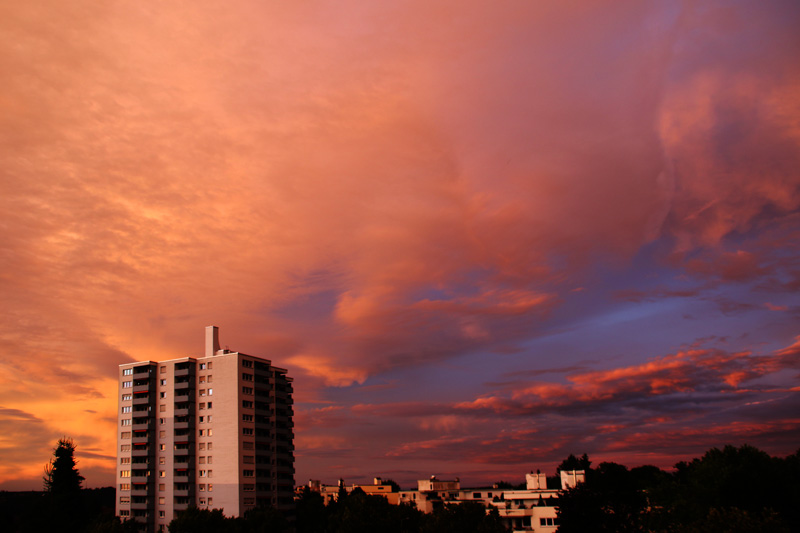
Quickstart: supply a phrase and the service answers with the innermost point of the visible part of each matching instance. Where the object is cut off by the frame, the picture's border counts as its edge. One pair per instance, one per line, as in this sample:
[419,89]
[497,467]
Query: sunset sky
[480,235]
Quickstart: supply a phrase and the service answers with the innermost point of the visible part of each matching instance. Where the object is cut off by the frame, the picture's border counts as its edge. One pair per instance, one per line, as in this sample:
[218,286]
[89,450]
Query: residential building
[213,431]
[529,510]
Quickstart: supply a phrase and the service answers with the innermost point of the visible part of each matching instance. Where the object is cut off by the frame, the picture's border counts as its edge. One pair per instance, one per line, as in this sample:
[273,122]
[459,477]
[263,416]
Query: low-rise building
[532,509]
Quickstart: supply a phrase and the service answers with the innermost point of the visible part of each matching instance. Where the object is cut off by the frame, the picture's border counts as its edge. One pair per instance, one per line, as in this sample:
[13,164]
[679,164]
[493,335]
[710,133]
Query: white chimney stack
[212,340]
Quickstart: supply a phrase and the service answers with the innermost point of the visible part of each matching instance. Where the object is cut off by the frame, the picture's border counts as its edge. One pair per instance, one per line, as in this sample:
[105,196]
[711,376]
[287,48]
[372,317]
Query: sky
[480,235]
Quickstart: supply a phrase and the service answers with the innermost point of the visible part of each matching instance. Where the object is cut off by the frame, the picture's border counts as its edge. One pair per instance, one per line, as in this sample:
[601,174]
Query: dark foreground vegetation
[733,490]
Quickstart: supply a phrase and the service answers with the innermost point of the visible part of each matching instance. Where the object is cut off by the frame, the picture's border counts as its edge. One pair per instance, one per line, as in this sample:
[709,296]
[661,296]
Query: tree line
[732,490]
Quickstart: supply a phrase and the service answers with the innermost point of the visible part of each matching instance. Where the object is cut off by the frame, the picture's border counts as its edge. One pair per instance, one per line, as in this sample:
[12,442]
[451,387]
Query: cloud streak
[456,200]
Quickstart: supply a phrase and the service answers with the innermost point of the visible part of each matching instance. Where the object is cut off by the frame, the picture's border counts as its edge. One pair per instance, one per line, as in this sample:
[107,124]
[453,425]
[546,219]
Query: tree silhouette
[61,474]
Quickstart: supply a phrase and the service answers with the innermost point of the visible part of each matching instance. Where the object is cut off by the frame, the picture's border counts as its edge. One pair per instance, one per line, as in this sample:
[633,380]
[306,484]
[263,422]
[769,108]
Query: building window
[126,409]
[202,432]
[249,488]
[210,378]
[247,377]
[247,445]
[247,418]
[162,447]
[248,459]
[162,408]
[210,392]
[125,435]
[162,460]
[210,405]
[202,366]
[202,460]
[124,512]
[210,487]
[249,501]
[162,395]
[247,390]
[210,472]
[210,365]
[202,473]
[202,406]
[162,421]
[210,432]
[202,501]
[124,486]
[163,370]
[247,363]
[162,434]
[208,418]
[162,473]
[162,500]
[127,397]
[126,422]
[163,382]
[547,521]
[162,514]
[202,379]
[127,384]
[127,372]
[124,473]
[201,419]
[125,448]
[210,445]
[202,392]
[162,487]
[249,473]
[202,445]
[209,460]
[247,431]
[210,502]
[124,499]
[124,460]
[247,404]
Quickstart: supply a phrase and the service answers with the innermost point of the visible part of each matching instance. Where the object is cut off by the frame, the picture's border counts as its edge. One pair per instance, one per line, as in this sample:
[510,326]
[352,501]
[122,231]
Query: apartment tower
[213,432]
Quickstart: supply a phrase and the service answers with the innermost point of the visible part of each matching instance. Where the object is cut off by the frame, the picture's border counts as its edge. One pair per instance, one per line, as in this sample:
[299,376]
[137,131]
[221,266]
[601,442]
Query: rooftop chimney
[212,340]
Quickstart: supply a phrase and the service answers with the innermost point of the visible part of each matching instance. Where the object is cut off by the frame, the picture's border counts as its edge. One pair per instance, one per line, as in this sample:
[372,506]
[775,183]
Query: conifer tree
[61,474]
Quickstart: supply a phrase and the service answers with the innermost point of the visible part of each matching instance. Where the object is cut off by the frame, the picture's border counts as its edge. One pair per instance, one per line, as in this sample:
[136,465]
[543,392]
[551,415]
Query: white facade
[213,432]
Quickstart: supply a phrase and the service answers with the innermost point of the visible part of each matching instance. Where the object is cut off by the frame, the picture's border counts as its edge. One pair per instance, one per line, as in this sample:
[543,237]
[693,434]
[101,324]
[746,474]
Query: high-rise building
[213,432]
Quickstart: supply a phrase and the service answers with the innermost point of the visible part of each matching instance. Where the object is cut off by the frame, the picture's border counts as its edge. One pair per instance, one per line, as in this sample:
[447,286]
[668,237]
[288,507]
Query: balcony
[140,451]
[141,424]
[141,398]
[140,489]
[143,369]
[184,369]
[184,409]
[183,475]
[183,493]
[140,505]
